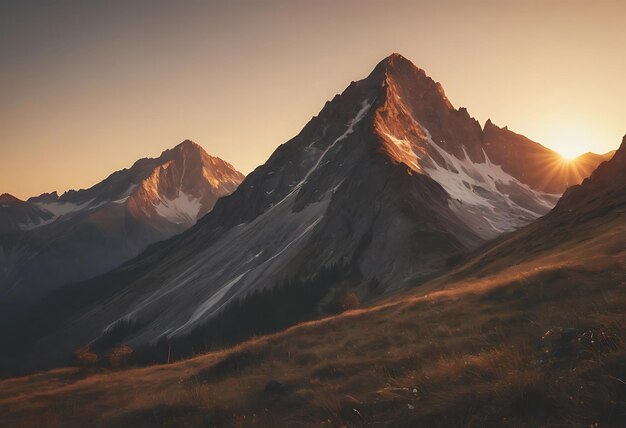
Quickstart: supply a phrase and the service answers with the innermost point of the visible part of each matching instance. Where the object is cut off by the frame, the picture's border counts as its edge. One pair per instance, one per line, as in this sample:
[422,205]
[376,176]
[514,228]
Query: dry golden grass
[464,353]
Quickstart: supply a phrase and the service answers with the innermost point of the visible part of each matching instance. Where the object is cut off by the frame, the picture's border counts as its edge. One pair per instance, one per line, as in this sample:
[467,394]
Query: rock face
[383,186]
[50,240]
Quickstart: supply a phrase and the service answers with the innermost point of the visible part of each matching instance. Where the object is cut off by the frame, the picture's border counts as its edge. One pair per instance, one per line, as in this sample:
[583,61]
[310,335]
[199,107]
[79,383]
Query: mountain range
[387,187]
[51,240]
[526,330]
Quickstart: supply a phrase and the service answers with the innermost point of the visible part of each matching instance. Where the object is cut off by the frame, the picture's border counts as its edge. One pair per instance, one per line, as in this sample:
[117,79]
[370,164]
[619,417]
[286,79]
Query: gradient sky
[88,87]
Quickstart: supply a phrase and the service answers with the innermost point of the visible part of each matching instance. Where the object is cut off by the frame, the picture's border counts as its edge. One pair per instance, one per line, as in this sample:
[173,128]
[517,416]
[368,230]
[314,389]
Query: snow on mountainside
[162,181]
[96,229]
[382,187]
[486,192]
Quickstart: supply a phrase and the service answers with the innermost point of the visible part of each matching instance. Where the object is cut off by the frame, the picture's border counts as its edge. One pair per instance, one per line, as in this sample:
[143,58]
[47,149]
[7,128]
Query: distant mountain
[15,214]
[50,240]
[375,193]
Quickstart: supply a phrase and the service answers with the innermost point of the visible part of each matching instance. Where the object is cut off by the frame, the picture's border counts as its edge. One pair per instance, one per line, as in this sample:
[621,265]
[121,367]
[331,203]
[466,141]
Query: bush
[349,301]
[85,357]
[120,356]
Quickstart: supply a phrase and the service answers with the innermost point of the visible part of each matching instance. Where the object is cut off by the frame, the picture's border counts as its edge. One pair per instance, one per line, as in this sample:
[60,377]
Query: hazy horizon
[90,88]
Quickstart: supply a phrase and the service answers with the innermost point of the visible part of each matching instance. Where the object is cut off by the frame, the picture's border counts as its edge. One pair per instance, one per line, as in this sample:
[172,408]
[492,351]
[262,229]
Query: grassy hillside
[539,343]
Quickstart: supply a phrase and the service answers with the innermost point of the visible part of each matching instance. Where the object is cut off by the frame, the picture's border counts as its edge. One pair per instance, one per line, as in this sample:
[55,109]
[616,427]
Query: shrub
[349,301]
[120,356]
[85,357]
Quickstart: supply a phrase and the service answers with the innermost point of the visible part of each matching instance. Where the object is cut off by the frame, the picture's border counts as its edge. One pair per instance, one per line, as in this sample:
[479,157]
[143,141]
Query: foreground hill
[530,331]
[375,193]
[49,240]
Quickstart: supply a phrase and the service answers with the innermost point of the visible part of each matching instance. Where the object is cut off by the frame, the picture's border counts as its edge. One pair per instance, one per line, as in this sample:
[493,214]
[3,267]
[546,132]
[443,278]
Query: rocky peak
[187,149]
[187,146]
[7,199]
[492,127]
[182,185]
[396,64]
[416,109]
[401,75]
[45,197]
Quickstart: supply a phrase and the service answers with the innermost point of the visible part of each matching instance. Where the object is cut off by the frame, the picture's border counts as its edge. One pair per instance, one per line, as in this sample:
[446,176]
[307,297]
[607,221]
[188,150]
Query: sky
[88,87]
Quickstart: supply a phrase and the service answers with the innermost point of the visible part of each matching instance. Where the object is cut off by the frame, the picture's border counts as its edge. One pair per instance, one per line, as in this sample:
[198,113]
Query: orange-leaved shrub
[349,301]
[120,356]
[85,357]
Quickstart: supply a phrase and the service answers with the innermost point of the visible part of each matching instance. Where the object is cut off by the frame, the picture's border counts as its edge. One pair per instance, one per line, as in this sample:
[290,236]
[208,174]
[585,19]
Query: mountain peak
[45,197]
[396,65]
[185,149]
[189,145]
[490,126]
[396,60]
[7,198]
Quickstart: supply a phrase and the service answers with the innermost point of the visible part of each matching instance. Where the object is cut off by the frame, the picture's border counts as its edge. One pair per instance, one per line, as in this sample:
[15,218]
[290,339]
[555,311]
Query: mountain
[15,213]
[49,240]
[528,331]
[379,191]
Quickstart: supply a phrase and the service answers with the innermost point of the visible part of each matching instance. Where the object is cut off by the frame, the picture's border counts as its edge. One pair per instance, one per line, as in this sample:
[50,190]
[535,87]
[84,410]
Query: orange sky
[89,87]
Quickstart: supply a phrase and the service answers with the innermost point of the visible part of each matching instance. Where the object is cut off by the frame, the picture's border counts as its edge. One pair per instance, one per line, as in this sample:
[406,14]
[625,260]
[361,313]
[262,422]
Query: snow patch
[211,302]
[365,106]
[59,209]
[124,196]
[182,209]
[476,185]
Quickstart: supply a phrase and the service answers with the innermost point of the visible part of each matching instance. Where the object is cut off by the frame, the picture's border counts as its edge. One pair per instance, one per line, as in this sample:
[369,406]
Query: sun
[569,155]
[569,142]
